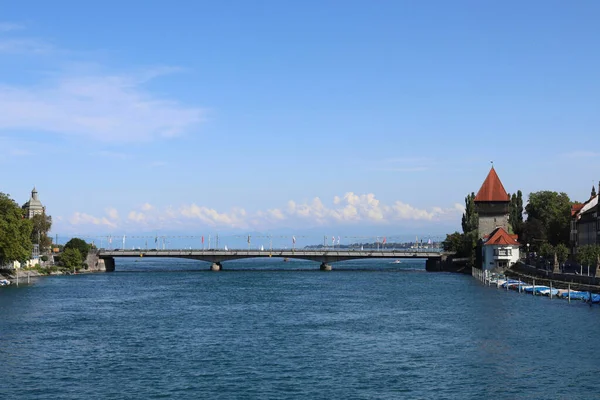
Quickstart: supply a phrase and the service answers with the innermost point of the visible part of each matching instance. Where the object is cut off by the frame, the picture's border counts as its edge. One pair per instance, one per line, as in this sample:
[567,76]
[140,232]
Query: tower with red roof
[491,203]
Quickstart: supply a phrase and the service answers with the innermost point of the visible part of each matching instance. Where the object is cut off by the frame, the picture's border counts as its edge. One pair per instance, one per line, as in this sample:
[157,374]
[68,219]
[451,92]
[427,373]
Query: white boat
[397,262]
[4,282]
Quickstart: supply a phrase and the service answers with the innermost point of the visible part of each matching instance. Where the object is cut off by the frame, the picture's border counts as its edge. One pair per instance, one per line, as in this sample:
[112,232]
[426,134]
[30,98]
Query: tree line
[546,231]
[19,234]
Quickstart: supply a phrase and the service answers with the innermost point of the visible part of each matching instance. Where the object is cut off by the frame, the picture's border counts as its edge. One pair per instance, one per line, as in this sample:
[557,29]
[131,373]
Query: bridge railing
[325,249]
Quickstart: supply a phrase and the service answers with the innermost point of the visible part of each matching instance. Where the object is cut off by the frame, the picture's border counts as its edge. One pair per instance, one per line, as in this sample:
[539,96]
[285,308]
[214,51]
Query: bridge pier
[216,266]
[109,264]
[325,267]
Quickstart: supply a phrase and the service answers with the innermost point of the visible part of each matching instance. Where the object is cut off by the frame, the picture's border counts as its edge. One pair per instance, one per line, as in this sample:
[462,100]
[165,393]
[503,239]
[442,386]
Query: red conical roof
[492,189]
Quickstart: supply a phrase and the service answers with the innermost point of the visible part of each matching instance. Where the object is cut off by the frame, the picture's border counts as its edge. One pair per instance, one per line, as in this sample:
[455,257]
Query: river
[265,329]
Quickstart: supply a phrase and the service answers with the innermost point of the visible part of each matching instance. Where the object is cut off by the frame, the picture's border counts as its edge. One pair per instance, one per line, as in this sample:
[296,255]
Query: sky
[279,117]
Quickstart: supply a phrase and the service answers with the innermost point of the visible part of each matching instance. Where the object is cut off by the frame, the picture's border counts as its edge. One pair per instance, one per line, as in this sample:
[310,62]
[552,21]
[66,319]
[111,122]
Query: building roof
[575,208]
[34,202]
[588,206]
[492,189]
[499,237]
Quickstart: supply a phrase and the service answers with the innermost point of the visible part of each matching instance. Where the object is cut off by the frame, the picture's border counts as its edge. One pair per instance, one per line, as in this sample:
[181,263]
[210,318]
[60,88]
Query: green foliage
[78,244]
[39,269]
[533,233]
[588,255]
[547,251]
[41,226]
[15,232]
[464,244]
[71,258]
[562,252]
[553,212]
[44,258]
[515,216]
[52,268]
[470,219]
[453,242]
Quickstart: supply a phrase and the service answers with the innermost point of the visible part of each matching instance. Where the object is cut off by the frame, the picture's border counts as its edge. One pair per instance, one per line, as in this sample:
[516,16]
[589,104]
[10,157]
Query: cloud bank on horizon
[350,209]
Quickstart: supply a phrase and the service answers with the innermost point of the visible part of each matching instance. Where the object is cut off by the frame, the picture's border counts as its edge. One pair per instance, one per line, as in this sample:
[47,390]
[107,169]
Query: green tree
[78,244]
[41,226]
[533,233]
[547,251]
[562,252]
[71,258]
[453,242]
[15,232]
[553,211]
[464,244]
[515,216]
[588,255]
[470,219]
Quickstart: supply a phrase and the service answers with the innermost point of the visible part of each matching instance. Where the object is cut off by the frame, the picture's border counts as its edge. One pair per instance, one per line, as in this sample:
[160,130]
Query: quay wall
[448,264]
[521,270]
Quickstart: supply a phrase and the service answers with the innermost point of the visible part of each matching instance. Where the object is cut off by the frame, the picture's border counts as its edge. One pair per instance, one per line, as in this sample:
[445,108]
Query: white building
[500,250]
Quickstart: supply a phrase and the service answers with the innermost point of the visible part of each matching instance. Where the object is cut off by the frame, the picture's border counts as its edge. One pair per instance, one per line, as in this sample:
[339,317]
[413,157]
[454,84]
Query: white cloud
[9,26]
[112,213]
[86,219]
[20,152]
[349,209]
[234,219]
[102,108]
[24,46]
[136,216]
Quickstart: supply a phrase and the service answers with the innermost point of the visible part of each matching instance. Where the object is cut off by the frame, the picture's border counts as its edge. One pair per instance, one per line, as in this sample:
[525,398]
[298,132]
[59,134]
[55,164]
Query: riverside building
[497,248]
[585,223]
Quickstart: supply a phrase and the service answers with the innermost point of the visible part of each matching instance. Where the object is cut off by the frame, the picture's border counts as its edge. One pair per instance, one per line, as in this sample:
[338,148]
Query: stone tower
[491,203]
[34,205]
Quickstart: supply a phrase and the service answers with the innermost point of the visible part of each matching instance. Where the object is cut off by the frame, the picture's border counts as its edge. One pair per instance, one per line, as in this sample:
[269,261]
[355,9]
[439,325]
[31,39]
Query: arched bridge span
[325,257]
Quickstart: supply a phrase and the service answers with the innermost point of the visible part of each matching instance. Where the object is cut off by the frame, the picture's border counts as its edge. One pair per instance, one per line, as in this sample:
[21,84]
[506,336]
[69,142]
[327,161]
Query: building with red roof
[500,249]
[491,203]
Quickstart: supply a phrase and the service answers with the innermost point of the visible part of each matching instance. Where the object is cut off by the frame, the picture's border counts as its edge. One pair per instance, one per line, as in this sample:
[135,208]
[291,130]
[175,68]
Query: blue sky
[273,116]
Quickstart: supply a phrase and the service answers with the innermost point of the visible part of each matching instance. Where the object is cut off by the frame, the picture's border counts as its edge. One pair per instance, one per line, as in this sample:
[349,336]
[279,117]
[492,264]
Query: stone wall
[95,264]
[491,216]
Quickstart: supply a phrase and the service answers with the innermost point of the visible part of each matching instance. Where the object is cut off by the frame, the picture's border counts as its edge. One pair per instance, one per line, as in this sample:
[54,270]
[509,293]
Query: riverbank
[526,279]
[559,280]
[23,275]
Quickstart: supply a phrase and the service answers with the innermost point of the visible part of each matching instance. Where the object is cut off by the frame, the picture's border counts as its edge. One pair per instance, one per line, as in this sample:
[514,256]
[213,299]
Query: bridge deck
[314,255]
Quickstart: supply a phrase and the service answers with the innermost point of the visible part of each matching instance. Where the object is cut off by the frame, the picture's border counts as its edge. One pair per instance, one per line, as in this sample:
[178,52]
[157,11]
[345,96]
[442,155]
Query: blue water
[265,329]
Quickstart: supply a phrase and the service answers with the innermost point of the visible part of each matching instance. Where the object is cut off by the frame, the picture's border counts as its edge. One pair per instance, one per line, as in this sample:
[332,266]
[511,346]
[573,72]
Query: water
[272,330]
